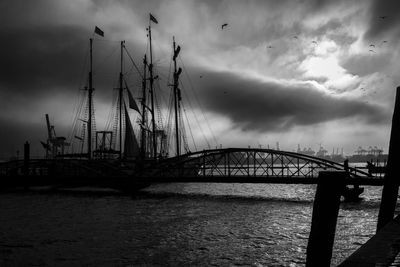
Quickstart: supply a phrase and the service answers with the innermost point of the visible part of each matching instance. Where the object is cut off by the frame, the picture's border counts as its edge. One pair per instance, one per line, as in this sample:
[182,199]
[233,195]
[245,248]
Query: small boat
[352,194]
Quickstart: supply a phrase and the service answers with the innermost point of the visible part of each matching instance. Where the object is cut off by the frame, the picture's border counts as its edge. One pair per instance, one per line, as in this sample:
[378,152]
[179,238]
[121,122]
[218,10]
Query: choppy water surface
[175,224]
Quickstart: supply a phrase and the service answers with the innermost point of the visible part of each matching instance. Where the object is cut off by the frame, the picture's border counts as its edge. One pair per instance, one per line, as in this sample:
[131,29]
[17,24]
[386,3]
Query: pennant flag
[132,102]
[98,31]
[176,52]
[152,18]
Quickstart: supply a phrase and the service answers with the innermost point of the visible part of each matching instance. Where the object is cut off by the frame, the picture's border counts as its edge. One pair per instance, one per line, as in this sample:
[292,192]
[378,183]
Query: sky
[295,72]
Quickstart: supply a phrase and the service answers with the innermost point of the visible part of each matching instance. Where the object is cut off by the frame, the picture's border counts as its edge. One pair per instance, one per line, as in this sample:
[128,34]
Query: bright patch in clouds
[322,67]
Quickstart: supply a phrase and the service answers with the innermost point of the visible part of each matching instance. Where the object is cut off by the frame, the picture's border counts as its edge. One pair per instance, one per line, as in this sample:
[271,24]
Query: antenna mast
[90,96]
[144,120]
[176,97]
[152,98]
[121,77]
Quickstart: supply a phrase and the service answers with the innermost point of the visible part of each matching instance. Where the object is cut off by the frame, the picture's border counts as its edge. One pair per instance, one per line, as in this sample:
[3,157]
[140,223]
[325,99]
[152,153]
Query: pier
[231,165]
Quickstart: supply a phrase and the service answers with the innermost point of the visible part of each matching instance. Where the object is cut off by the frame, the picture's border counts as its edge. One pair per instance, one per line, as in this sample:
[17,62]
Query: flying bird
[224,25]
[371,51]
[201,76]
[384,41]
[314,42]
[372,45]
[383,17]
[295,37]
[270,46]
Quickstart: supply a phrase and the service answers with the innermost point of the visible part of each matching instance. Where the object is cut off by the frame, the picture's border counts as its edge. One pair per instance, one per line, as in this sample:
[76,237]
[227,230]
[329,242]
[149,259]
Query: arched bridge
[231,165]
[247,165]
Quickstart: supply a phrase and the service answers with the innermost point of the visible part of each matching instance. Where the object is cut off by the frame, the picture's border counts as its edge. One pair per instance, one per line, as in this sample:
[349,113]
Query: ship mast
[121,77]
[90,96]
[176,97]
[144,120]
[152,97]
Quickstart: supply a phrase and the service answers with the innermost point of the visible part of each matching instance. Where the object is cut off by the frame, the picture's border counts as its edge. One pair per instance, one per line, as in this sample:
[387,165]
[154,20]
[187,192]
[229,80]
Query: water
[176,225]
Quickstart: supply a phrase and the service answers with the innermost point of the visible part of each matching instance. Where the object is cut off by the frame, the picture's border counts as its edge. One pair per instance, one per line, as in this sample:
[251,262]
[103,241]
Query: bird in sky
[384,41]
[372,45]
[295,37]
[314,42]
[270,46]
[224,25]
[383,17]
[371,51]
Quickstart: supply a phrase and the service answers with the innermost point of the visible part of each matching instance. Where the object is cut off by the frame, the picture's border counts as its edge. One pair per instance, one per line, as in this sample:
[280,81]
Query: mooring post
[26,157]
[324,217]
[391,182]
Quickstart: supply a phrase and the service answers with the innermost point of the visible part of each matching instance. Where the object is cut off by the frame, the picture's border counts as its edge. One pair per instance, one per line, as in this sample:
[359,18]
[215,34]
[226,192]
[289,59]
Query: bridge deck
[257,180]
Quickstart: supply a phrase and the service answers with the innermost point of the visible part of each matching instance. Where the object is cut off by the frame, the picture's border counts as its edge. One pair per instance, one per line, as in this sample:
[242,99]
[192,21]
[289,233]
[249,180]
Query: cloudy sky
[293,72]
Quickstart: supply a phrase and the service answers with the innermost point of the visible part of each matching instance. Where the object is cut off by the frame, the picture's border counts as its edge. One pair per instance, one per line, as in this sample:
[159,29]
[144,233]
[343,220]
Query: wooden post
[324,217]
[391,183]
[26,158]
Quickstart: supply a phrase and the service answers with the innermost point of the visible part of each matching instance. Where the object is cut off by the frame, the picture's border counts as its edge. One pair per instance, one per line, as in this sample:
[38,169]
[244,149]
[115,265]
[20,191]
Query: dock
[383,249]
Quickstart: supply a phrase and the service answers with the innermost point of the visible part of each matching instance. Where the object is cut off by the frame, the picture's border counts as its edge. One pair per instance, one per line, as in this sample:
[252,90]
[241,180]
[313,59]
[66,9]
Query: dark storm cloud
[384,28]
[41,52]
[271,106]
[40,58]
[45,60]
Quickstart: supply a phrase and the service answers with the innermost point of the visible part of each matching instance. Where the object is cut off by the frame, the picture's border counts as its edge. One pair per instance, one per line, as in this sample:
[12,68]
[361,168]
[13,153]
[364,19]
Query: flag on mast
[152,18]
[98,31]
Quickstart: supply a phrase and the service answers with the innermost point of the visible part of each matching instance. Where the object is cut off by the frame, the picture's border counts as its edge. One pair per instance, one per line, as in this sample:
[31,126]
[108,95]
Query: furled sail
[132,102]
[131,144]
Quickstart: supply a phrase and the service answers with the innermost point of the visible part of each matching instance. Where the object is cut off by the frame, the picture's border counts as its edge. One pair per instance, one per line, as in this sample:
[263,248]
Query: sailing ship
[119,143]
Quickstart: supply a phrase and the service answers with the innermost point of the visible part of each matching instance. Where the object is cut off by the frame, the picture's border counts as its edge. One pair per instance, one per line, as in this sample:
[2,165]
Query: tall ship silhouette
[123,147]
[123,141]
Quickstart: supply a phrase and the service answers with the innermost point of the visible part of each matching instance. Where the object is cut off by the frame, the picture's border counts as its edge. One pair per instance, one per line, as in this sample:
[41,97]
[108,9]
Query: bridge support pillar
[391,182]
[325,211]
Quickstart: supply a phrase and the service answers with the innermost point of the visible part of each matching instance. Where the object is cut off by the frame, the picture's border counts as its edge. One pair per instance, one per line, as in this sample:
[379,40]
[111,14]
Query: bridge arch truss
[247,162]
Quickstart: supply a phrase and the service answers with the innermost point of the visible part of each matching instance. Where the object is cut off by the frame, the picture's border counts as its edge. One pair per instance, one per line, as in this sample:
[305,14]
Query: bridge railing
[58,168]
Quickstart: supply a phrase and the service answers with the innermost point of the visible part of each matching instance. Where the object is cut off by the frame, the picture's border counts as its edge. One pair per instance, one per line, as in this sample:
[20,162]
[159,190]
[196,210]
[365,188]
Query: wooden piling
[26,157]
[391,182]
[324,217]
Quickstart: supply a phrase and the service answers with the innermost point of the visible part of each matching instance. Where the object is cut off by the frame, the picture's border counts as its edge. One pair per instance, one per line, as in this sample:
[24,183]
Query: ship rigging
[146,140]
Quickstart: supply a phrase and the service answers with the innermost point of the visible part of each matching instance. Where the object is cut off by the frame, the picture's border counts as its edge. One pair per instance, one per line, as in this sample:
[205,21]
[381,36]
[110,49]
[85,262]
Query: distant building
[305,151]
